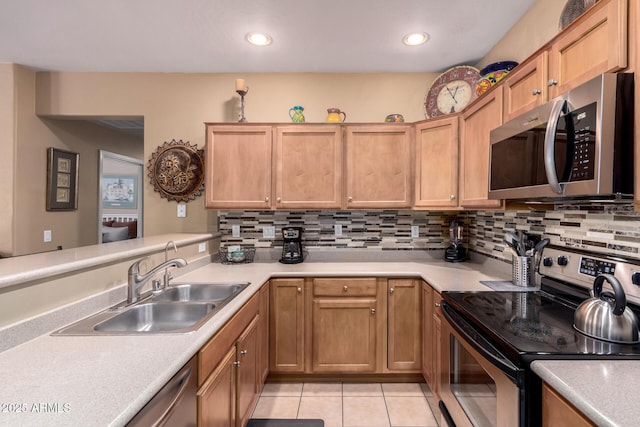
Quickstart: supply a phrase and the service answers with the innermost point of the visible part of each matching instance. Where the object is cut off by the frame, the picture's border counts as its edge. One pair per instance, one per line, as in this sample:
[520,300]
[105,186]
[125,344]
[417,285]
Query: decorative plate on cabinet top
[572,10]
[451,91]
[176,171]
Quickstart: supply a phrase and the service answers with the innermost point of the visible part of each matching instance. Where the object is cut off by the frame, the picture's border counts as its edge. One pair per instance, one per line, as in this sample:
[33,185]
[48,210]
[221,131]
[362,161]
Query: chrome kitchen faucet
[136,280]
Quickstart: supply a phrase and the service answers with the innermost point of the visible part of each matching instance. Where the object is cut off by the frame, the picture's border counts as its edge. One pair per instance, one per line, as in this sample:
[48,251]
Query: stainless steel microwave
[578,145]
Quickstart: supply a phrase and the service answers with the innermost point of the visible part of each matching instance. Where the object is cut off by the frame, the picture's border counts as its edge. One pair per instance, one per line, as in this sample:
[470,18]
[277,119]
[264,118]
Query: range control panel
[581,268]
[594,267]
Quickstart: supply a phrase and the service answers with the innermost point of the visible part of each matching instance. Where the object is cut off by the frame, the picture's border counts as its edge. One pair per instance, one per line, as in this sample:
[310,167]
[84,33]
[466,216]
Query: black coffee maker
[455,252]
[292,245]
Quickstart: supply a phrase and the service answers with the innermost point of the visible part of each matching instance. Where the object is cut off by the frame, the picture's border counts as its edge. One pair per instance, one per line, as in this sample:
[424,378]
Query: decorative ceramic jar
[394,118]
[296,115]
[335,115]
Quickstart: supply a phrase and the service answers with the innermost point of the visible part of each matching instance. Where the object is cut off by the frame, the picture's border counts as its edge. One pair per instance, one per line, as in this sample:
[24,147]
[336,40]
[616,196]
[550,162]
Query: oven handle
[483,346]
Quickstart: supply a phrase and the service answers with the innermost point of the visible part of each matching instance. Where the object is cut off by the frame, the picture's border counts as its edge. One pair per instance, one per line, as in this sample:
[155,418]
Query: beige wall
[175,106]
[534,29]
[32,138]
[7,138]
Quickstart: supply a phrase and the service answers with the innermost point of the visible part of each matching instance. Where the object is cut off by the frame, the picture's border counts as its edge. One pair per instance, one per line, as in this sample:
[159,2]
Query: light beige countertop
[606,391]
[106,380]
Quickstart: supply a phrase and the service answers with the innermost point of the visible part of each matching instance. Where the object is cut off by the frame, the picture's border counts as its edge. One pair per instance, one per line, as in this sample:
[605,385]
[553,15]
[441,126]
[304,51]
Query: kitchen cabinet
[378,166]
[238,167]
[558,412]
[228,370]
[431,345]
[287,325]
[436,163]
[345,325]
[476,124]
[404,324]
[595,43]
[308,167]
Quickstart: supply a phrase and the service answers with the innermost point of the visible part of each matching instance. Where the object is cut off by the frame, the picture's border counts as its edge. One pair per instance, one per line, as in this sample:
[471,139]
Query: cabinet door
[428,336]
[217,396]
[477,123]
[308,167]
[378,166]
[286,325]
[595,44]
[437,340]
[436,183]
[344,335]
[263,335]
[247,373]
[238,172]
[404,324]
[525,87]
[557,412]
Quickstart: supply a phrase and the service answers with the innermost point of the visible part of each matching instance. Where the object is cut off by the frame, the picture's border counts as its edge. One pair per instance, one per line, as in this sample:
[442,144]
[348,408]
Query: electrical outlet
[47,236]
[415,231]
[337,228]
[202,247]
[268,232]
[235,231]
[182,211]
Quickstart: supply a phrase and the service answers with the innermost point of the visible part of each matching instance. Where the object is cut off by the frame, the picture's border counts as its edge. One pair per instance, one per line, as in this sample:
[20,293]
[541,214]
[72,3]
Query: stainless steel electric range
[489,339]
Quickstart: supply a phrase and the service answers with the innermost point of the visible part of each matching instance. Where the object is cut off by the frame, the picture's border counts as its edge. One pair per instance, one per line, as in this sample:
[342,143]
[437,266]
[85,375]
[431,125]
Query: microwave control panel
[584,143]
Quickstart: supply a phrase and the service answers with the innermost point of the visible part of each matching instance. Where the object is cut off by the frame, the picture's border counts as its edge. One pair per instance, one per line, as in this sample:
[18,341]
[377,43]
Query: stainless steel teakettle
[605,316]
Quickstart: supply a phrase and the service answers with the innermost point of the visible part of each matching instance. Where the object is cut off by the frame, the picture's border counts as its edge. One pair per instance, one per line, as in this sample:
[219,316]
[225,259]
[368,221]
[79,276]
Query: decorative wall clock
[451,91]
[176,171]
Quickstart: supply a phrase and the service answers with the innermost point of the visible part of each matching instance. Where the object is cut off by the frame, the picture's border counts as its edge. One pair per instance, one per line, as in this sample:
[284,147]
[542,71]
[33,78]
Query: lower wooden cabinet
[229,376]
[557,412]
[404,324]
[286,325]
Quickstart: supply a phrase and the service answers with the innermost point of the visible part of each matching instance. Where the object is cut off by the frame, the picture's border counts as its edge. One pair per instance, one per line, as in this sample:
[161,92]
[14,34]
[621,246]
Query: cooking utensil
[511,240]
[605,315]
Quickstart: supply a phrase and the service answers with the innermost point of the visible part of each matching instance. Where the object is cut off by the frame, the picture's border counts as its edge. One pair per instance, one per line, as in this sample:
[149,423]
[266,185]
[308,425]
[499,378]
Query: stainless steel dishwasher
[175,404]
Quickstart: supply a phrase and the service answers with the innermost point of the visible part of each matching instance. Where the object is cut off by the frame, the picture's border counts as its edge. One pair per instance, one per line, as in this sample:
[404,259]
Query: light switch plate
[268,232]
[235,231]
[337,228]
[182,211]
[415,231]
[202,247]
[47,236]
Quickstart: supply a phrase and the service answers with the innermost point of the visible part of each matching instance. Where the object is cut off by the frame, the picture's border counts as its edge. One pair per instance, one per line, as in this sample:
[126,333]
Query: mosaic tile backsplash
[610,229]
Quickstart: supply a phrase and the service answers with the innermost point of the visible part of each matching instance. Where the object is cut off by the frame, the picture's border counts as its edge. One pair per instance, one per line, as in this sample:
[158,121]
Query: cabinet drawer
[214,351]
[344,287]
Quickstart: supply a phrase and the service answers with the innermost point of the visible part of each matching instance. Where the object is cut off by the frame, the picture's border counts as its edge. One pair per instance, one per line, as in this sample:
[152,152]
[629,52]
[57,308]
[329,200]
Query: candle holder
[242,94]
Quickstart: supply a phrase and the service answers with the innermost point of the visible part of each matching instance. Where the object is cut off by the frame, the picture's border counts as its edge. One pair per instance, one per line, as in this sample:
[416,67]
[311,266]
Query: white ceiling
[209,35]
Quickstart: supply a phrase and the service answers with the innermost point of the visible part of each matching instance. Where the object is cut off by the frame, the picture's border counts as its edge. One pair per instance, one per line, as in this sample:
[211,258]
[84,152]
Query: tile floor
[349,404]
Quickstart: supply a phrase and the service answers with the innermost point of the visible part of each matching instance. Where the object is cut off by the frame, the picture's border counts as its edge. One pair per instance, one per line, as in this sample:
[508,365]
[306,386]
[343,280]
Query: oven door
[479,385]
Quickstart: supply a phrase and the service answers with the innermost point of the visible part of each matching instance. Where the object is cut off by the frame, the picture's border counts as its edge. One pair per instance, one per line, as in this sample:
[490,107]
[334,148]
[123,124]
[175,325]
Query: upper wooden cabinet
[308,167]
[477,122]
[238,167]
[526,87]
[594,44]
[378,166]
[436,163]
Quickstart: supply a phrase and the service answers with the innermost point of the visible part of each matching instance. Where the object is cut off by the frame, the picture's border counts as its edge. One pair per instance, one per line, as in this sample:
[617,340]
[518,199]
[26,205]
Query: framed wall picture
[119,192]
[62,180]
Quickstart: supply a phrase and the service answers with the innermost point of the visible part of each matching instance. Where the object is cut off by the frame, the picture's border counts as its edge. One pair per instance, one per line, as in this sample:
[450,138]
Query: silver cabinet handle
[237,363]
[350,199]
[373,311]
[243,352]
[345,288]
[437,304]
[391,290]
[266,199]
[552,82]
[536,92]
[452,197]
[278,199]
[299,290]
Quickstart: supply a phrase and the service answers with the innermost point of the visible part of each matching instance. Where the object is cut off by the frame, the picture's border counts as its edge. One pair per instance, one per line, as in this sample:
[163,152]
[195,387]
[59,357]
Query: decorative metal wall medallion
[176,171]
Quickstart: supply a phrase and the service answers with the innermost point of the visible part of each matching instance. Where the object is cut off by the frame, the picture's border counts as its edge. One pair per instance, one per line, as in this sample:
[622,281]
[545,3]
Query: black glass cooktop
[527,324]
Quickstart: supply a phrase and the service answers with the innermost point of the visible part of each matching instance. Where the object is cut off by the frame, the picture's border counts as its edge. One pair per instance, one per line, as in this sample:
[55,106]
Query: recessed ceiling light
[259,39]
[415,39]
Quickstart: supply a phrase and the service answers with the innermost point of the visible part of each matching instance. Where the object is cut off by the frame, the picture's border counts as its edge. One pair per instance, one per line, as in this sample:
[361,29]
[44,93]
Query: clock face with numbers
[451,91]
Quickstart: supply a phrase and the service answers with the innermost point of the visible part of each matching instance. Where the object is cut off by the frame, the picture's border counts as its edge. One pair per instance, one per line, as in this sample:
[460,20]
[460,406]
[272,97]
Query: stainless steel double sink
[178,309]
